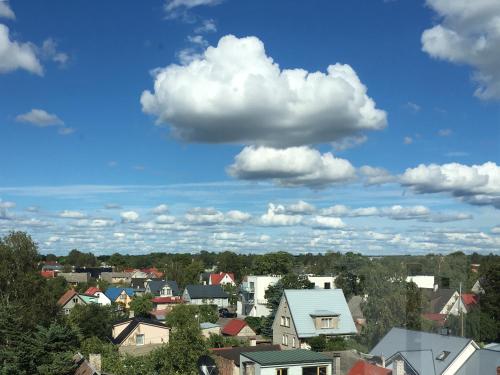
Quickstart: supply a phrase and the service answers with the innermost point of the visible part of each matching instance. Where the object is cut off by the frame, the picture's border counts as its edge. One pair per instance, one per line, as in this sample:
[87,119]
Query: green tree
[94,320]
[479,326]
[280,263]
[208,313]
[142,305]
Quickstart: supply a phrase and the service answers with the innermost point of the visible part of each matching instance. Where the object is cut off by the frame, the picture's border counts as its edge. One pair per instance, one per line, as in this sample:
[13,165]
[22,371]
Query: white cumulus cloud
[67,214]
[291,166]
[129,216]
[14,55]
[40,118]
[469,33]
[235,93]
[325,222]
[160,209]
[275,217]
[6,11]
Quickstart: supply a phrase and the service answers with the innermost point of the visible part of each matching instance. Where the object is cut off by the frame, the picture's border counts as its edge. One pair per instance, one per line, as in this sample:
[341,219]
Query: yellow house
[123,296]
[140,334]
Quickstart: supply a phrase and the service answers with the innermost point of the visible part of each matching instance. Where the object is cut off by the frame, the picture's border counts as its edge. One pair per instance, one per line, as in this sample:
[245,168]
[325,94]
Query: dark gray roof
[483,361]
[156,285]
[355,307]
[438,299]
[206,291]
[420,349]
[295,356]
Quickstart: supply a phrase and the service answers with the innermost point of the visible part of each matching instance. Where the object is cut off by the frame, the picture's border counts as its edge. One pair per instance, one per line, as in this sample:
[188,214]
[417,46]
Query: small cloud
[139,167]
[6,11]
[129,216]
[48,51]
[112,163]
[112,206]
[67,214]
[40,118]
[408,140]
[207,26]
[453,154]
[413,107]
[178,8]
[32,209]
[66,131]
[445,132]
[160,209]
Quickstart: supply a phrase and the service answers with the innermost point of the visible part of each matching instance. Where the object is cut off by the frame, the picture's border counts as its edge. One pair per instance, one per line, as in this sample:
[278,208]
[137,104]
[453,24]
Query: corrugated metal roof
[269,358]
[304,302]
[206,291]
[483,361]
[405,342]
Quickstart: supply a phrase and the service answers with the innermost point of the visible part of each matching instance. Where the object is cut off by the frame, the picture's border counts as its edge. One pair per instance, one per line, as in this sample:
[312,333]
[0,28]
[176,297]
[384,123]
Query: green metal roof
[286,357]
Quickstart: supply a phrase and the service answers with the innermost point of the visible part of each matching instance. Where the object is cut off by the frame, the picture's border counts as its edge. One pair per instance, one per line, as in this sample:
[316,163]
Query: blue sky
[216,111]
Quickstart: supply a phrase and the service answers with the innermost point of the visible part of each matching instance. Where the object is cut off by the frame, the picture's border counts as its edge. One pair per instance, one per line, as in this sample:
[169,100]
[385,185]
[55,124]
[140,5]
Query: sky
[251,126]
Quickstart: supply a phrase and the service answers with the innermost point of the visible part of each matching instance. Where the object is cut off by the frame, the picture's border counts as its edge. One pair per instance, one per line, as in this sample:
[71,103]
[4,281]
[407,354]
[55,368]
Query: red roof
[438,318]
[216,278]
[469,299]
[233,327]
[364,368]
[48,274]
[166,300]
[92,291]
[66,297]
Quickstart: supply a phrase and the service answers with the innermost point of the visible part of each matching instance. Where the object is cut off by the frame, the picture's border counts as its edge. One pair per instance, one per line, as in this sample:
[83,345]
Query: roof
[355,307]
[155,286]
[469,299]
[420,349]
[304,302]
[439,299]
[48,274]
[166,300]
[493,346]
[365,368]
[438,318]
[216,278]
[233,327]
[88,299]
[208,325]
[482,361]
[92,290]
[73,277]
[113,292]
[134,323]
[64,299]
[233,354]
[296,356]
[205,291]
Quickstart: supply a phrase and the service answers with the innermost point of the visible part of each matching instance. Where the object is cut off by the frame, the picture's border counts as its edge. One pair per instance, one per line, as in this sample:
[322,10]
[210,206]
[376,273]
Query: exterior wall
[102,299]
[260,285]
[226,366]
[207,331]
[449,305]
[279,330]
[461,359]
[124,299]
[246,332]
[220,302]
[76,300]
[118,328]
[152,335]
[320,281]
[455,308]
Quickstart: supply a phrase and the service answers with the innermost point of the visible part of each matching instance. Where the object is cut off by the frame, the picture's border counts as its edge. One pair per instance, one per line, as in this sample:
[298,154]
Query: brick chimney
[336,364]
[95,362]
[498,370]
[398,367]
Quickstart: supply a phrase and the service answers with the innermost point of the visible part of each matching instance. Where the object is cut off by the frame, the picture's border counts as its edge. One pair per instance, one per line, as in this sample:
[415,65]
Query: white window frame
[328,321]
[143,339]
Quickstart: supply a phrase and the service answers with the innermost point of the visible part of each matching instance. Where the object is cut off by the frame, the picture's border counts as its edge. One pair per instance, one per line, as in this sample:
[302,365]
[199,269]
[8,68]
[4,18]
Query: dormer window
[325,319]
[327,323]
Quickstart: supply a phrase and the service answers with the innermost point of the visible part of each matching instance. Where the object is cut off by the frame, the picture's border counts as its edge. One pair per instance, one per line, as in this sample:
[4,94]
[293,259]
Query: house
[205,295]
[48,274]
[75,278]
[356,311]
[445,302]
[84,367]
[102,299]
[208,329]
[422,281]
[366,368]
[228,359]
[123,296]
[483,361]
[115,277]
[238,328]
[306,313]
[322,282]
[287,362]
[469,300]
[139,332]
[423,353]
[222,278]
[52,266]
[252,300]
[162,288]
[477,288]
[70,299]
[94,272]
[166,303]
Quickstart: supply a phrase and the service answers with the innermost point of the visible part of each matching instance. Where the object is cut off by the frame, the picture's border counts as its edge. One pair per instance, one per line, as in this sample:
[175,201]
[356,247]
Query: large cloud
[235,93]
[476,184]
[291,166]
[469,34]
[14,55]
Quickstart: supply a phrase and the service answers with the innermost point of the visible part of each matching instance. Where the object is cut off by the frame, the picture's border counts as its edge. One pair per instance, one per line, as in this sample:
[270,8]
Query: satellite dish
[207,366]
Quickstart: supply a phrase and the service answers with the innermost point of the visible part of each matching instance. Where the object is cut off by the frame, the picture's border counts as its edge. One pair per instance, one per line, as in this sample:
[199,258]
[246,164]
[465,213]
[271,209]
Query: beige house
[141,334]
[208,329]
[238,328]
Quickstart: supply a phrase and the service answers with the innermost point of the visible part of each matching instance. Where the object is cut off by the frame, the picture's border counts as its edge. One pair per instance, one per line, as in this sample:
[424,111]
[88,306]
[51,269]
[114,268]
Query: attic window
[442,356]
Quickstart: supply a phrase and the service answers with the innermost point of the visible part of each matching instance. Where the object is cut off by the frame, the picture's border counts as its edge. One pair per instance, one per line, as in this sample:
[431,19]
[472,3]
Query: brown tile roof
[66,297]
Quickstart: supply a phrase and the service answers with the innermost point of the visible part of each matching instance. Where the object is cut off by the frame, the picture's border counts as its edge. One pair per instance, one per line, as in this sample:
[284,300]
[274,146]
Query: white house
[205,295]
[252,300]
[322,282]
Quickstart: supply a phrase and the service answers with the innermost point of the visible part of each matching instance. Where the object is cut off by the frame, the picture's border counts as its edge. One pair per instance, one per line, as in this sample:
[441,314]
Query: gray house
[307,313]
[163,288]
[423,353]
[206,295]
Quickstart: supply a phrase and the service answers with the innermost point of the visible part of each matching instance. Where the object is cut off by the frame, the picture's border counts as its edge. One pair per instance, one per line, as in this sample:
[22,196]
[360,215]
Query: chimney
[95,362]
[382,359]
[436,287]
[336,363]
[398,367]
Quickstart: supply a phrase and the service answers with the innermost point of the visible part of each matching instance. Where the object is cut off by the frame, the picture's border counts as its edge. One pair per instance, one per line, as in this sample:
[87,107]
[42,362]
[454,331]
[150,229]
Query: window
[326,322]
[316,370]
[287,321]
[139,339]
[442,356]
[75,300]
[282,321]
[284,340]
[281,371]
[328,286]
[293,342]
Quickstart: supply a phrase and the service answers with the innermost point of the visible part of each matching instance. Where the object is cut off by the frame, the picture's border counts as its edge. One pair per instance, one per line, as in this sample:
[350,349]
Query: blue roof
[483,361]
[420,349]
[303,303]
[113,292]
